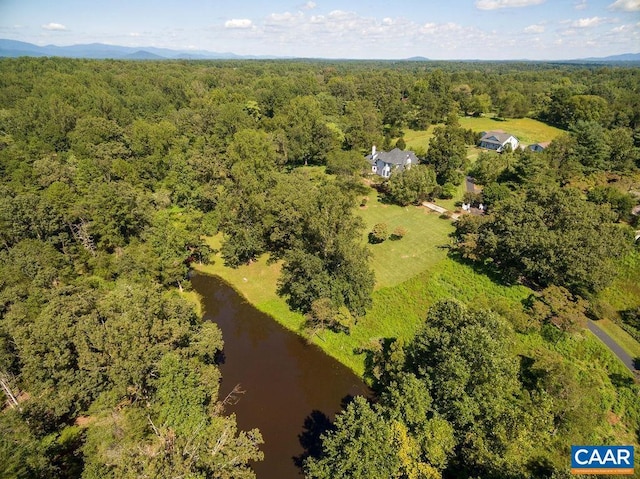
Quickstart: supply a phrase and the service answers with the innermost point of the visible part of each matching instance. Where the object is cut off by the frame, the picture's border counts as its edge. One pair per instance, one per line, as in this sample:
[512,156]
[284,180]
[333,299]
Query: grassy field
[418,138]
[411,274]
[624,292]
[527,130]
[395,261]
[620,336]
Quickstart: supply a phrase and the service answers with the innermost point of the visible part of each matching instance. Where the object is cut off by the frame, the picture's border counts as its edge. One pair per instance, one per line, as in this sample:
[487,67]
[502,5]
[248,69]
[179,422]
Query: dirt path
[440,209]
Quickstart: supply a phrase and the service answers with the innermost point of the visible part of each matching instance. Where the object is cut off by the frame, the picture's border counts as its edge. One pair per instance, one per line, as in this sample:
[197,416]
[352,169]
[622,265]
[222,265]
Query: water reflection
[292,389]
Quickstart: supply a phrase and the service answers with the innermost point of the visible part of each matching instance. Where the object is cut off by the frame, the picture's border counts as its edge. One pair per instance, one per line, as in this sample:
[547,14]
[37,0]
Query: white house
[384,163]
[498,140]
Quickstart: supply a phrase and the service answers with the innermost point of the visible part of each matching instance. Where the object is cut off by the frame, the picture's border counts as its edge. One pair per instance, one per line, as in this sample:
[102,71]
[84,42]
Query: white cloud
[587,22]
[496,4]
[534,29]
[238,23]
[626,5]
[309,5]
[580,4]
[58,27]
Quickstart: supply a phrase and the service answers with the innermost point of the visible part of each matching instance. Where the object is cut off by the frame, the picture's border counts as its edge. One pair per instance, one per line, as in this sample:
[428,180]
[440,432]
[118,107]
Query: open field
[527,130]
[418,138]
[404,291]
[395,261]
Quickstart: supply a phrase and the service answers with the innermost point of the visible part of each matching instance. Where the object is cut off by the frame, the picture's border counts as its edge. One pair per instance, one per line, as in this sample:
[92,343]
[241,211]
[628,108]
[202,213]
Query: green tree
[550,235]
[379,233]
[309,138]
[346,163]
[360,447]
[362,125]
[447,151]
[591,149]
[413,185]
[472,375]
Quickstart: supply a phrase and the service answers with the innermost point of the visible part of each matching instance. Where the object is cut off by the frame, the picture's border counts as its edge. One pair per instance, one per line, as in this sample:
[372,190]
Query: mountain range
[14,48]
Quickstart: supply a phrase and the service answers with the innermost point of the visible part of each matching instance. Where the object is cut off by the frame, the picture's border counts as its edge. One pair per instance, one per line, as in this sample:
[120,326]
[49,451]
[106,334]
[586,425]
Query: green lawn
[411,274]
[395,261]
[418,138]
[527,130]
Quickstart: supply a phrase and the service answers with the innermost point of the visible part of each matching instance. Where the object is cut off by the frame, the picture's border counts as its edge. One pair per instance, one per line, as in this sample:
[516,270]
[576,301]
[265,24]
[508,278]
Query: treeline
[112,172]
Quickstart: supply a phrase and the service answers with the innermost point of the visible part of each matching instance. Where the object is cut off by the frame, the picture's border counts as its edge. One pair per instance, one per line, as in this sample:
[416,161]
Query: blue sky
[449,29]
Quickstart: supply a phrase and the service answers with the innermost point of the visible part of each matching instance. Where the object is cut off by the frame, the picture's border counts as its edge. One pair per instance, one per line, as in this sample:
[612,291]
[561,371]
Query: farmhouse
[538,147]
[384,163]
[498,140]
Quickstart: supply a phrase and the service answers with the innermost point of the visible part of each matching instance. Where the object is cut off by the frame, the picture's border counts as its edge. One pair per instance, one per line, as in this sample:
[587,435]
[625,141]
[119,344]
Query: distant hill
[624,58]
[13,48]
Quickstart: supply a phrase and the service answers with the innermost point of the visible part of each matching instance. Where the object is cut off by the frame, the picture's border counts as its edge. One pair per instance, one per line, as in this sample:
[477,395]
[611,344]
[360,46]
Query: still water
[289,385]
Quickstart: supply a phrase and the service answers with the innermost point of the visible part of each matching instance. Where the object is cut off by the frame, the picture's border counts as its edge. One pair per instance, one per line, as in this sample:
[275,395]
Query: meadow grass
[620,336]
[395,261]
[624,292]
[418,138]
[527,130]
[411,274]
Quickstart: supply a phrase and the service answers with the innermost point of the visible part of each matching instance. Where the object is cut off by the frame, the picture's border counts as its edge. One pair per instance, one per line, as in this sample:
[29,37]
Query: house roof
[394,157]
[542,144]
[496,136]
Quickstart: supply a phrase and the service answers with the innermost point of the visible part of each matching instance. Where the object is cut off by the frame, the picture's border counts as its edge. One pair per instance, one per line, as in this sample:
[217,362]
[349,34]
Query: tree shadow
[219,358]
[488,269]
[620,380]
[378,363]
[315,425]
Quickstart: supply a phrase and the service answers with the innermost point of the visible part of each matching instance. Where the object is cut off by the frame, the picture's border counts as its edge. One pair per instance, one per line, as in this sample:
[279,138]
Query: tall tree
[447,152]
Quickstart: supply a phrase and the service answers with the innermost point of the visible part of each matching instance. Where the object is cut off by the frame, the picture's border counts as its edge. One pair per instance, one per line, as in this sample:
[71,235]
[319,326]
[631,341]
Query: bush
[379,233]
[448,191]
[398,233]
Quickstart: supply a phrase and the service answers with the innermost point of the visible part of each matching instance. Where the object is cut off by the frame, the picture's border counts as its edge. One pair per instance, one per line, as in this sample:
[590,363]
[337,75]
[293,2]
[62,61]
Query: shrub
[379,233]
[398,233]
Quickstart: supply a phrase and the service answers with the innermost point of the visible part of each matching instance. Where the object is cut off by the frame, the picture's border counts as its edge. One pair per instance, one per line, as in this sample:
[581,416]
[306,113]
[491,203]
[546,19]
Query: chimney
[373,150]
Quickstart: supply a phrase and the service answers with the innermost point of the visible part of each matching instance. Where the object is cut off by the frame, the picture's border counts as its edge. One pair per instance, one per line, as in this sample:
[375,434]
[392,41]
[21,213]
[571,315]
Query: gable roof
[542,144]
[496,136]
[394,157]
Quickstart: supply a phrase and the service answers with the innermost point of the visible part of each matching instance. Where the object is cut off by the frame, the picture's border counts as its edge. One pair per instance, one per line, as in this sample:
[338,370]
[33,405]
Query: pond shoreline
[286,387]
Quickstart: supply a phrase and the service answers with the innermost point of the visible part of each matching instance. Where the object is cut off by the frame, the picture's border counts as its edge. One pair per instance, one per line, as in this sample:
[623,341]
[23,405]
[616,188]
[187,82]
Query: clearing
[527,130]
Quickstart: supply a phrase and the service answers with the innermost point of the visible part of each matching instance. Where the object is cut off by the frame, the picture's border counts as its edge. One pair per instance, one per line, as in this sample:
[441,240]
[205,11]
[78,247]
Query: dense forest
[112,174]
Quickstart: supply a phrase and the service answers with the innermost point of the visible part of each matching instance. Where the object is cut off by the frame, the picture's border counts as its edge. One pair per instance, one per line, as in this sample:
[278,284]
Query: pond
[291,388]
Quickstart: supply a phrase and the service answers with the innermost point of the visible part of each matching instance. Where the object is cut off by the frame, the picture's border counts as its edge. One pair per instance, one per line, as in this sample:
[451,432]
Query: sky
[359,29]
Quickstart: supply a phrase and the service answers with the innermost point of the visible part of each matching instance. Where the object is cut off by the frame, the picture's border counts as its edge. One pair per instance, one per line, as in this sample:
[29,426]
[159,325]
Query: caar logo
[601,459]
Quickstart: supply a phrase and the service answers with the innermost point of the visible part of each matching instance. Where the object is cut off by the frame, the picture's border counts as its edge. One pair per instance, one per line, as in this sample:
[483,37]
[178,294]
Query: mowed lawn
[424,245]
[418,138]
[527,130]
